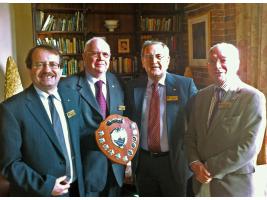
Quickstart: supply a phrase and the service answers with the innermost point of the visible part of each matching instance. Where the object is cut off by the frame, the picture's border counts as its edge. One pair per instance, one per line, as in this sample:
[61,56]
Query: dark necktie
[218,96]
[154,121]
[59,131]
[100,98]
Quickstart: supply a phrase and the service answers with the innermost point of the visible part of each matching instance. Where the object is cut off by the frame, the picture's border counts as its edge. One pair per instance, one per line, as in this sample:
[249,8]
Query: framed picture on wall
[123,46]
[198,39]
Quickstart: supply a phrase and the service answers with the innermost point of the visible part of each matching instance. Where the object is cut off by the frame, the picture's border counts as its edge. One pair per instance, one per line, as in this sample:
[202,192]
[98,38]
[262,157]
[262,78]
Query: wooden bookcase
[69,26]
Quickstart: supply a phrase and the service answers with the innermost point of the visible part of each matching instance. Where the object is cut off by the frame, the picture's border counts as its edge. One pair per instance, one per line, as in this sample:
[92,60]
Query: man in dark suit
[35,160]
[102,177]
[158,104]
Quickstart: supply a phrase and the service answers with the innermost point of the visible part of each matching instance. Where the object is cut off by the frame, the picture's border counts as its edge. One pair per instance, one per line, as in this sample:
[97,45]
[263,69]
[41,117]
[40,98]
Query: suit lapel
[172,91]
[37,109]
[112,89]
[69,107]
[139,94]
[206,106]
[87,93]
[229,99]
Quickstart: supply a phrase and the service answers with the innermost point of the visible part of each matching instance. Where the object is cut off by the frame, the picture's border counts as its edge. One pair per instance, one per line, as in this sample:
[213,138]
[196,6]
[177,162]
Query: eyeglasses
[150,56]
[96,54]
[52,65]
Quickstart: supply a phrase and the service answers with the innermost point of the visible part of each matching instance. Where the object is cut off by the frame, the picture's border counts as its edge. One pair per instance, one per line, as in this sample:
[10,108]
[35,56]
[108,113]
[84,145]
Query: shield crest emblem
[118,138]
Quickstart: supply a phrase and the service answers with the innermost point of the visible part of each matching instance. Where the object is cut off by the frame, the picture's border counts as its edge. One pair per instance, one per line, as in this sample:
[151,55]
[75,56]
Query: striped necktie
[154,121]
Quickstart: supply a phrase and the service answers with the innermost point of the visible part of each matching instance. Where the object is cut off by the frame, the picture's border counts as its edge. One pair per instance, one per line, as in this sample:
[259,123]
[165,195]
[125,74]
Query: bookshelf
[69,26]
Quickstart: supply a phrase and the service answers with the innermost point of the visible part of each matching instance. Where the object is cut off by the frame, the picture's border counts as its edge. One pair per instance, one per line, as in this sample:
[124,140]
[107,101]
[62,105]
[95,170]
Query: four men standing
[44,128]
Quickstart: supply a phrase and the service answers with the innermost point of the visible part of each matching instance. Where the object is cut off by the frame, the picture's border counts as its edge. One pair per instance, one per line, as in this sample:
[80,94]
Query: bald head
[228,51]
[96,57]
[99,40]
[223,63]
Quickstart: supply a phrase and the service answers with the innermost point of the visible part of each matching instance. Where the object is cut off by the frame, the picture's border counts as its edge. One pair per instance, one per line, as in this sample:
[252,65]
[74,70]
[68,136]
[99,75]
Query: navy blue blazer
[30,154]
[176,86]
[94,161]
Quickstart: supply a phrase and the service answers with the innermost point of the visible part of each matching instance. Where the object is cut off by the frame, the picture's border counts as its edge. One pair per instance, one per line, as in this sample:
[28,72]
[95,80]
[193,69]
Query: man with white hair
[101,95]
[226,129]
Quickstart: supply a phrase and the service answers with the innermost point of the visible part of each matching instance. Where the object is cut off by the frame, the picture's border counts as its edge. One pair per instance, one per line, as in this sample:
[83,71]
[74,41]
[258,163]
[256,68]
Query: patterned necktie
[100,98]
[218,96]
[154,121]
[56,123]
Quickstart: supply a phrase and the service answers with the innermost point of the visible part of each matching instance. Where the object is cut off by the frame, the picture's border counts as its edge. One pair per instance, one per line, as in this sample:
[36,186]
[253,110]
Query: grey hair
[153,42]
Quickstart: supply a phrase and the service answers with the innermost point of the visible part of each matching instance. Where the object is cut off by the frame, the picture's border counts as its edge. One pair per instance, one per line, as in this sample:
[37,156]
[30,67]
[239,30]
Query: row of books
[71,66]
[169,41]
[65,45]
[177,23]
[117,65]
[72,23]
[123,65]
[156,24]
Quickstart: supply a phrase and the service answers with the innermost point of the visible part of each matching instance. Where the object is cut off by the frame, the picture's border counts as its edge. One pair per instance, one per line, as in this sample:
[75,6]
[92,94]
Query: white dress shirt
[57,101]
[92,80]
[164,145]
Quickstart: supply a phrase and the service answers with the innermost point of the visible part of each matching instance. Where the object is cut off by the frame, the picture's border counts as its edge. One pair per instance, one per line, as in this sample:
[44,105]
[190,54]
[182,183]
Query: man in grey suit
[102,177]
[39,146]
[226,129]
[160,167]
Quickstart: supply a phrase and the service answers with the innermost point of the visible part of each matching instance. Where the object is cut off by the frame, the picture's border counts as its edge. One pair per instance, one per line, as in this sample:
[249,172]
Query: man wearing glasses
[157,103]
[39,132]
[102,95]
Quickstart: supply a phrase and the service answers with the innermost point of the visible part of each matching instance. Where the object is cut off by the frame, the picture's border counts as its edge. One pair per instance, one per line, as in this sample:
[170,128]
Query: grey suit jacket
[30,154]
[176,86]
[94,161]
[230,144]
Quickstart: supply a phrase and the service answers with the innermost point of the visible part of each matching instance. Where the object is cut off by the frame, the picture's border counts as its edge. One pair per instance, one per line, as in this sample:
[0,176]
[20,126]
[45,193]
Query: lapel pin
[121,107]
[172,98]
[71,113]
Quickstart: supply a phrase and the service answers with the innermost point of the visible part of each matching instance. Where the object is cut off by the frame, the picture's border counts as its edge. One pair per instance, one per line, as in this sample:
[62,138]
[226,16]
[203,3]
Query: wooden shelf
[129,15]
[157,33]
[71,54]
[62,10]
[110,33]
[59,32]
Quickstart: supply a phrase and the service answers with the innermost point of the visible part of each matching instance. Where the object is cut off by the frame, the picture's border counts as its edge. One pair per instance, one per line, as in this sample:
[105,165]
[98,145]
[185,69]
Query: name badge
[71,113]
[172,98]
[225,105]
[121,108]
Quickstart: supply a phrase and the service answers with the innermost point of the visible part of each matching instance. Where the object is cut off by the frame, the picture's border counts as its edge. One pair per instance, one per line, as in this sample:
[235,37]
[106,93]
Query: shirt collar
[161,80]
[231,85]
[45,95]
[93,80]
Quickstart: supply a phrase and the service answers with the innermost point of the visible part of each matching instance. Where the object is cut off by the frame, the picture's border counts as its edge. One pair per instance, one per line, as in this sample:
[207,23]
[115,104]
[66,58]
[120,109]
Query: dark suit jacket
[184,89]
[94,161]
[30,154]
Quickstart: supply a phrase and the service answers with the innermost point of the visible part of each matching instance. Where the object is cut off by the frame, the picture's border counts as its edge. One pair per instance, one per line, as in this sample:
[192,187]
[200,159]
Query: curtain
[251,22]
